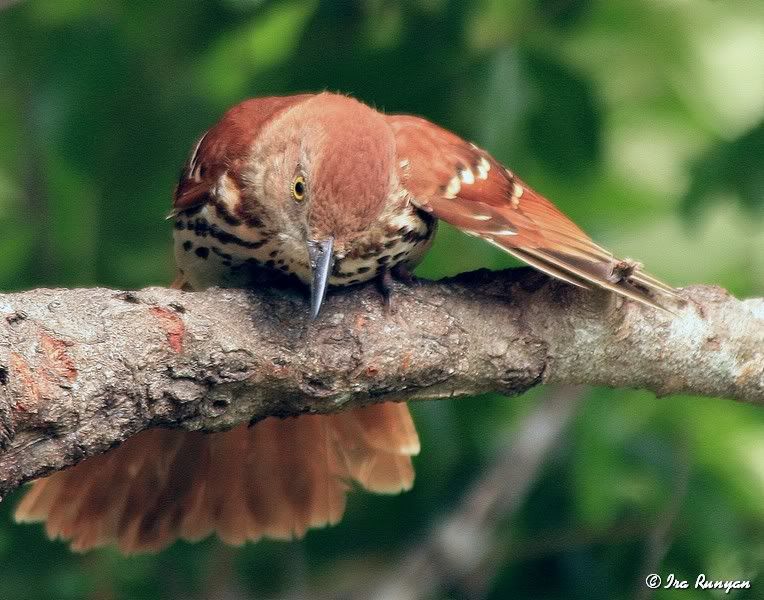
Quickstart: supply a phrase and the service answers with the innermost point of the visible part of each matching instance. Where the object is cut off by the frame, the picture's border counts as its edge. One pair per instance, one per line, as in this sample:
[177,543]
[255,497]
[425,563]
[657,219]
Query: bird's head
[329,162]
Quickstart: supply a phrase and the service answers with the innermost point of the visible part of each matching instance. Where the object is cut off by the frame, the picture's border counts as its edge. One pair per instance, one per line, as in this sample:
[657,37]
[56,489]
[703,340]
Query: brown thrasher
[327,190]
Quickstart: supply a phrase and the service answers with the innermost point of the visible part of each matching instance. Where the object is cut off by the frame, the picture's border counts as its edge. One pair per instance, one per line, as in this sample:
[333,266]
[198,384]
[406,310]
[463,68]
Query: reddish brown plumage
[225,147]
[463,185]
[352,193]
[275,479]
[374,185]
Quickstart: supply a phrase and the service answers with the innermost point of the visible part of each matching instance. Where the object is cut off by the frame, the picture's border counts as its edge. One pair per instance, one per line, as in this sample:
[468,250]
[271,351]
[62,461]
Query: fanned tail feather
[276,479]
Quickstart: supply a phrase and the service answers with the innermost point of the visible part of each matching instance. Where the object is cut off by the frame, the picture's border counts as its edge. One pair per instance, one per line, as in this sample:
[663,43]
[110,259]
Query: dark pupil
[299,188]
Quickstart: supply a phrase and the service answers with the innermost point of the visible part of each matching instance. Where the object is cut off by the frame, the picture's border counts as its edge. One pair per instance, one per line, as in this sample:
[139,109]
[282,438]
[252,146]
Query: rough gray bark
[81,370]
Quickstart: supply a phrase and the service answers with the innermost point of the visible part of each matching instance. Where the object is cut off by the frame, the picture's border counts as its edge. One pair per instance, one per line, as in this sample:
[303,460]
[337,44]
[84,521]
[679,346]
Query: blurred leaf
[563,14]
[252,48]
[731,168]
[565,127]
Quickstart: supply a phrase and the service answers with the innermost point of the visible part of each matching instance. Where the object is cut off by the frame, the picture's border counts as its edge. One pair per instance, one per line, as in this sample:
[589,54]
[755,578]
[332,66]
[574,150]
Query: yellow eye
[298,188]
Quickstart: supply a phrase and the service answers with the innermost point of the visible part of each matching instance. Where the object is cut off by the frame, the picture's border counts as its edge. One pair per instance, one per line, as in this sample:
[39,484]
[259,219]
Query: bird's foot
[402,273]
[385,283]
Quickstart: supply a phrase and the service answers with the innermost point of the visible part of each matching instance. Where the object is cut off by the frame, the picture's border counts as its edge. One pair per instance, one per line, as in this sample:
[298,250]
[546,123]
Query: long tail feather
[580,273]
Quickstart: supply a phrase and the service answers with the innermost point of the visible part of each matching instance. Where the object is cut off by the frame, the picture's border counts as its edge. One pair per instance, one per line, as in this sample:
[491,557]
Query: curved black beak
[321,263]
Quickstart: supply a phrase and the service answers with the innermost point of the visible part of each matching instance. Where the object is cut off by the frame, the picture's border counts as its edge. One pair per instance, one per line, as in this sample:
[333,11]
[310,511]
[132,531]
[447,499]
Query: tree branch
[81,370]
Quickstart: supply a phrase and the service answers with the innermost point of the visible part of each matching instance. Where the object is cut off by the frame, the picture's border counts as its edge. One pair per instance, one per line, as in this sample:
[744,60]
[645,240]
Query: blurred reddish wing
[458,182]
[225,146]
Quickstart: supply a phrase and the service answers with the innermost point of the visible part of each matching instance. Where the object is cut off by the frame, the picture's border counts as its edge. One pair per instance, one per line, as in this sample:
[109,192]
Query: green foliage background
[643,119]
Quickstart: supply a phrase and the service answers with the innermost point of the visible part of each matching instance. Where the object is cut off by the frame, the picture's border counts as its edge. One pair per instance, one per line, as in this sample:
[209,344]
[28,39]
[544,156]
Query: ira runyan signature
[703,583]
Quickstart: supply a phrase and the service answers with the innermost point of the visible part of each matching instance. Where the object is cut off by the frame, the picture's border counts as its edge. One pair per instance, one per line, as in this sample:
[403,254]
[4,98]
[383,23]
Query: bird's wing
[224,147]
[458,182]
